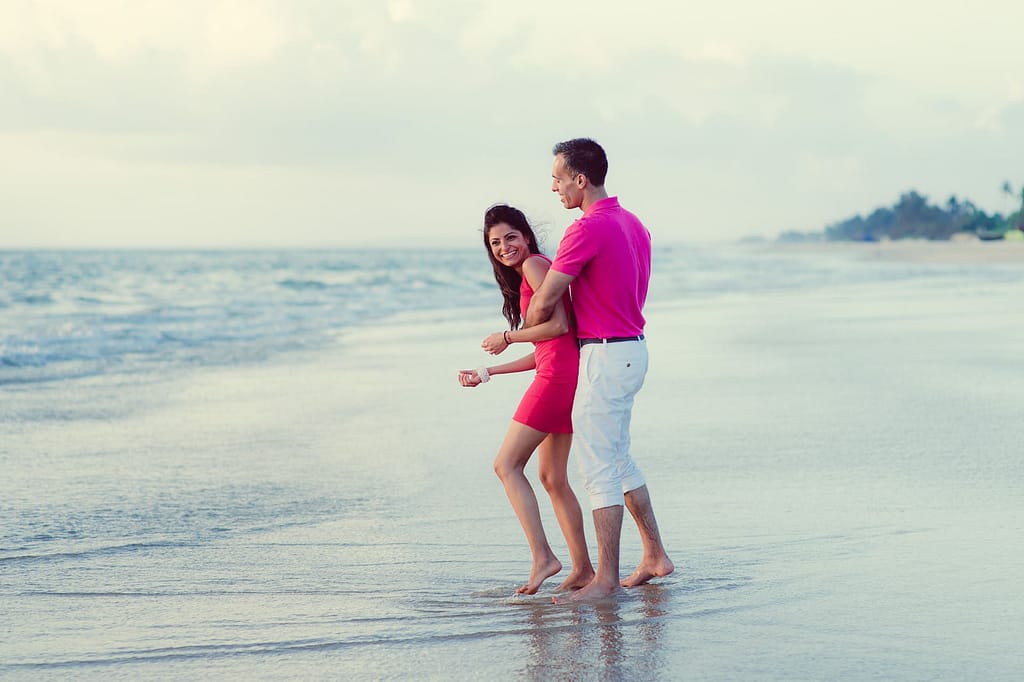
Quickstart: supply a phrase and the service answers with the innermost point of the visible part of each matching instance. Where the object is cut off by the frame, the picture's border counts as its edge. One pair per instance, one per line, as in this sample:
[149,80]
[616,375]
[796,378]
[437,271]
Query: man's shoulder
[599,217]
[631,221]
[613,220]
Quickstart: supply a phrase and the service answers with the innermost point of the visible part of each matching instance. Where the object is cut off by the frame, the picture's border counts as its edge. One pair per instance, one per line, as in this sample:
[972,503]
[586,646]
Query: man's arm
[544,300]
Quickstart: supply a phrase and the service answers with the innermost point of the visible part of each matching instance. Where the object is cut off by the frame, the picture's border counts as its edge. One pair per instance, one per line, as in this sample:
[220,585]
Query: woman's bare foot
[576,580]
[538,574]
[649,569]
[594,591]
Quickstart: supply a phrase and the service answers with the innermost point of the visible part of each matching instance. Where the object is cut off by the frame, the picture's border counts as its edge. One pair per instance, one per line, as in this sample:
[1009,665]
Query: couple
[590,360]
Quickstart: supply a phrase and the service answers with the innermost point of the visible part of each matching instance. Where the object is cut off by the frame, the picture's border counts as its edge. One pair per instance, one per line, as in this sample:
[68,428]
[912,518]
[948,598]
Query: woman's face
[508,245]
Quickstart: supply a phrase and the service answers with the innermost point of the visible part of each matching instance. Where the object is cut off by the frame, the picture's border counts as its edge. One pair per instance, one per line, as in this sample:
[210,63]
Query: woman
[543,420]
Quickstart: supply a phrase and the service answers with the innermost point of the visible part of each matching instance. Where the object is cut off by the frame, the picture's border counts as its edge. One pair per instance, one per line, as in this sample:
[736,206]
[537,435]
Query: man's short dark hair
[585,156]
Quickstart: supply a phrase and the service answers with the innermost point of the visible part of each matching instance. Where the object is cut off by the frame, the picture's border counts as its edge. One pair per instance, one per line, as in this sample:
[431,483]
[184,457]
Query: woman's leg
[519,444]
[554,458]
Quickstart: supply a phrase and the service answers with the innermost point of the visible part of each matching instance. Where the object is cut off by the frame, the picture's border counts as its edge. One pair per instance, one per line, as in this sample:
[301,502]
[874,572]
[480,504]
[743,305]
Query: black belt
[613,339]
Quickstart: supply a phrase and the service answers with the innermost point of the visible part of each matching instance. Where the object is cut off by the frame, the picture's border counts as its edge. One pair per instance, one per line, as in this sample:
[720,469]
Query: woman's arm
[546,298]
[534,270]
[470,377]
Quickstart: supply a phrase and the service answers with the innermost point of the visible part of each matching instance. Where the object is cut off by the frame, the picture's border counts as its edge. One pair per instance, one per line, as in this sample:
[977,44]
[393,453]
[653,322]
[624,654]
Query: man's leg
[655,562]
[602,417]
[608,524]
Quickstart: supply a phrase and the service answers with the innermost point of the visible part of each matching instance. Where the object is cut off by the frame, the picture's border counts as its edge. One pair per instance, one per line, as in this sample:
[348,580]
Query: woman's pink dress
[547,403]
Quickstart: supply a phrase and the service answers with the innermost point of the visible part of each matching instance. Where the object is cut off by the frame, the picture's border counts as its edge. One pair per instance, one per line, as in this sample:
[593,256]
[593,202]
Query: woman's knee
[505,466]
[554,479]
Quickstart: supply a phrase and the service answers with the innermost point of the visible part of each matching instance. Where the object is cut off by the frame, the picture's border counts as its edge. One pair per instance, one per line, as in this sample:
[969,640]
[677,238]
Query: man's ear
[582,180]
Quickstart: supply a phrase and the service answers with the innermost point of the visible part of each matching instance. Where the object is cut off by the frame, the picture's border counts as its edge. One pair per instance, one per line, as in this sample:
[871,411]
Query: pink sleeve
[574,251]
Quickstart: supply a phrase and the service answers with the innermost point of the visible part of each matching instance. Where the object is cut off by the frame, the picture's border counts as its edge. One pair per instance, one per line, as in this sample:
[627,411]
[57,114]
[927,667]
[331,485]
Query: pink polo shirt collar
[607,202]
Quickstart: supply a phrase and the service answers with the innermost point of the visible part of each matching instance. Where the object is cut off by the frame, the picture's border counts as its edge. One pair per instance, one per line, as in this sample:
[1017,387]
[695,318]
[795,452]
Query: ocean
[259,465]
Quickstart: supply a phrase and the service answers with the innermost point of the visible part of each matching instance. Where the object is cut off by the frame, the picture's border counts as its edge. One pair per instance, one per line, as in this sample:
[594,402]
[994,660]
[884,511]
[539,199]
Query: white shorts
[611,374]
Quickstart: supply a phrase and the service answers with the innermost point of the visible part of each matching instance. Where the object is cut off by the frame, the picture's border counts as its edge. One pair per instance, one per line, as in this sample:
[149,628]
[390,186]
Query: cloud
[401,10]
[452,104]
[207,37]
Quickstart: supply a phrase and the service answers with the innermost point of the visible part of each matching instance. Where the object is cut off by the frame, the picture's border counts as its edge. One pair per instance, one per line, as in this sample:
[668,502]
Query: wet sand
[836,474]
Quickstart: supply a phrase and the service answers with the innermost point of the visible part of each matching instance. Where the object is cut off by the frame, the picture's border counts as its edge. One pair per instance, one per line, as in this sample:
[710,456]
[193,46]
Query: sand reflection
[615,639]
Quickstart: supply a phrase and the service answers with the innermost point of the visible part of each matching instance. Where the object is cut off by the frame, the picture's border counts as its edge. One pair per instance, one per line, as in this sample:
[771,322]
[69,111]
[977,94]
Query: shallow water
[836,471]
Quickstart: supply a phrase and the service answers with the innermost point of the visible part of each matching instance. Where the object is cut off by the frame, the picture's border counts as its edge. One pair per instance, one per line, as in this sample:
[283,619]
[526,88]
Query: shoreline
[998,252]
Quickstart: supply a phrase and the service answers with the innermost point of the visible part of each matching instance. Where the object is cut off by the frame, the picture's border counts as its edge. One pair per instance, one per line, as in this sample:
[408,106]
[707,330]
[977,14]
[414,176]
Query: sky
[396,123]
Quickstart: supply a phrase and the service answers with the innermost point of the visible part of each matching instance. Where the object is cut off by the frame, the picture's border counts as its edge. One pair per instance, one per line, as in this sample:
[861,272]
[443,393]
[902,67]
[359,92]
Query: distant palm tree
[1020,213]
[1008,191]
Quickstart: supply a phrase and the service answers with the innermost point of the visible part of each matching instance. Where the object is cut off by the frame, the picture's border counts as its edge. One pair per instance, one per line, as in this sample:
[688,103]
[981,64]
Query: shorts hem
[612,499]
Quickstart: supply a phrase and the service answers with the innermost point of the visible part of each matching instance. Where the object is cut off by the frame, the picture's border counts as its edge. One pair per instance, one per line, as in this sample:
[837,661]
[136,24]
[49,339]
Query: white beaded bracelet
[484,375]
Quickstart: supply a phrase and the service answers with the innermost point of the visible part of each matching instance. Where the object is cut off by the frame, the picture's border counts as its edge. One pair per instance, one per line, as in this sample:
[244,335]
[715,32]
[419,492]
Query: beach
[834,463]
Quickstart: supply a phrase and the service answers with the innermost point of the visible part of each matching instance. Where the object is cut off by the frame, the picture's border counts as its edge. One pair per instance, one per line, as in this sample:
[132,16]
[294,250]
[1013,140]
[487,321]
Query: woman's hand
[469,378]
[494,343]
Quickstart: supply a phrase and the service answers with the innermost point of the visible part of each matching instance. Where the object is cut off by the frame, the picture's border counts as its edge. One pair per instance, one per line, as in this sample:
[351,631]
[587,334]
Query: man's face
[566,184]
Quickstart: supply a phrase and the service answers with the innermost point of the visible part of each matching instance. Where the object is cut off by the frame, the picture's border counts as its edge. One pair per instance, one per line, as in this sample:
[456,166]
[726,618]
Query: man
[606,258]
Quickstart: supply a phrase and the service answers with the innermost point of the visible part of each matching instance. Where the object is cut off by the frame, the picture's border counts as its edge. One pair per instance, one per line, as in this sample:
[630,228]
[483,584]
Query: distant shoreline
[919,250]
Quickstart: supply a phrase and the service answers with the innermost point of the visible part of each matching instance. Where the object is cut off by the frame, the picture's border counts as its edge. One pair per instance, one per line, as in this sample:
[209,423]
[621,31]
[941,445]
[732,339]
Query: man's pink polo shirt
[608,252]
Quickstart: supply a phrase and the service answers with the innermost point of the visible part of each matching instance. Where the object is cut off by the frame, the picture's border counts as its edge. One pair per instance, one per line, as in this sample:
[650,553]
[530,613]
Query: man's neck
[592,196]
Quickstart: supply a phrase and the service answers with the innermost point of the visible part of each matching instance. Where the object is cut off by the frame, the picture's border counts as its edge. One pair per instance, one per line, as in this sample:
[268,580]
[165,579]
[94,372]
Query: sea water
[260,465]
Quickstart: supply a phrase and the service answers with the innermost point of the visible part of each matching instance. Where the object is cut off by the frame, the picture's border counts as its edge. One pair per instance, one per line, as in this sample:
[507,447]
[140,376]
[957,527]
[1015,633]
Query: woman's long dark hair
[507,278]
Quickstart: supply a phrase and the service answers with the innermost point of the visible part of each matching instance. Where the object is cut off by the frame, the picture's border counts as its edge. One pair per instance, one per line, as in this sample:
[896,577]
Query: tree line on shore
[913,217]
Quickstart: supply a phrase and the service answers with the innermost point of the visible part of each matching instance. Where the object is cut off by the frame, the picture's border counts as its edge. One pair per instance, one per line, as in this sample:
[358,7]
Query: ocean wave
[75,314]
[302,284]
[34,299]
[101,550]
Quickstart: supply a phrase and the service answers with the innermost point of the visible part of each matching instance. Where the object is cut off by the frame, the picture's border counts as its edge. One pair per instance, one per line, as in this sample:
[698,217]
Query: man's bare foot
[538,574]
[594,591]
[649,569]
[576,580]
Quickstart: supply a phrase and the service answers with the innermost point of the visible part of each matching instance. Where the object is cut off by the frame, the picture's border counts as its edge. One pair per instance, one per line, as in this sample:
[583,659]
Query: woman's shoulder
[535,268]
